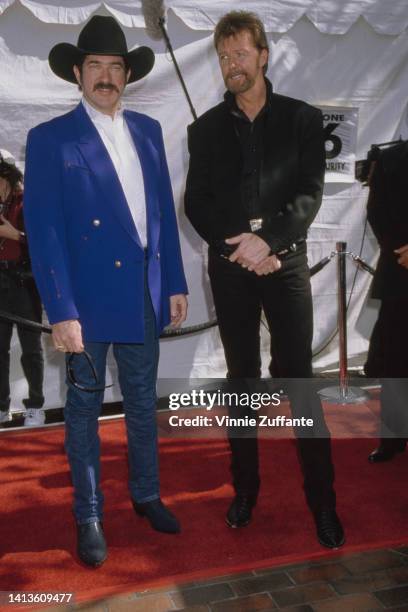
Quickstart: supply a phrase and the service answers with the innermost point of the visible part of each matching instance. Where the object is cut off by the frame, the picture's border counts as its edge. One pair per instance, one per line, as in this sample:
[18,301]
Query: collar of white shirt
[102,118]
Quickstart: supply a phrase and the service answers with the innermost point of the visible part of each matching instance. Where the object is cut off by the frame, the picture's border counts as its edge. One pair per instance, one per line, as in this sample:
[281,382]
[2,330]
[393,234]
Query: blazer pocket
[75,166]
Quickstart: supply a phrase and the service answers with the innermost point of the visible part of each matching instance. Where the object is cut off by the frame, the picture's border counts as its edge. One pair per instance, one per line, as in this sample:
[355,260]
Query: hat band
[122,52]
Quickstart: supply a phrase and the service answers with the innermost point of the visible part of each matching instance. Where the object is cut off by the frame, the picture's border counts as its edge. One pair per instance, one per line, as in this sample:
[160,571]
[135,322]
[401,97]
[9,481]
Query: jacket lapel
[97,157]
[150,163]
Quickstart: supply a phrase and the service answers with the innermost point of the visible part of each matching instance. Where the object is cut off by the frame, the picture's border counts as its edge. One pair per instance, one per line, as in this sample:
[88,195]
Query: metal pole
[342,317]
[343,393]
[176,66]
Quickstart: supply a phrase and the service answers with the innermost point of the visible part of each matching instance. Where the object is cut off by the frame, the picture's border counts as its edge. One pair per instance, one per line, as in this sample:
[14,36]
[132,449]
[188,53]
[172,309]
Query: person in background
[18,296]
[387,213]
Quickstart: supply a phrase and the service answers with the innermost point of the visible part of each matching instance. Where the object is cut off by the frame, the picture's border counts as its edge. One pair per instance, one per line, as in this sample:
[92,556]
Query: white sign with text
[340,129]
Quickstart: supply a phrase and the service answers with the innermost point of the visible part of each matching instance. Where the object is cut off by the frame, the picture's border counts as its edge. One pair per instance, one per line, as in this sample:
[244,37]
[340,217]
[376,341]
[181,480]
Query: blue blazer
[86,255]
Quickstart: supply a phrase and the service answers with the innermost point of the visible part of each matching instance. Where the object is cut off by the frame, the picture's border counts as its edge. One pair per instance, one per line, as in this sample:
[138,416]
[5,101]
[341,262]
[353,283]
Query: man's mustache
[106,86]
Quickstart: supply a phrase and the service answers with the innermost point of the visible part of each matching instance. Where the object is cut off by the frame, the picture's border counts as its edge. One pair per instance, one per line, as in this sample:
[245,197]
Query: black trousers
[19,296]
[388,350]
[285,297]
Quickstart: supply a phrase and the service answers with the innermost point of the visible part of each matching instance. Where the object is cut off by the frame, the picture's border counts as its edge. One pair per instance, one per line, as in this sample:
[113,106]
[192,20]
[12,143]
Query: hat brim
[64,56]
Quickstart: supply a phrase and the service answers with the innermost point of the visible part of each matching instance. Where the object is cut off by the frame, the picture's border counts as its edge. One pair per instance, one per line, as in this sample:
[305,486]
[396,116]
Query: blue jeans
[137,368]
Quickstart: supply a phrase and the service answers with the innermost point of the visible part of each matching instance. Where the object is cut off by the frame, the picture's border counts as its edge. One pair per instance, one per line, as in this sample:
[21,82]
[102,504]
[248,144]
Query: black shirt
[251,139]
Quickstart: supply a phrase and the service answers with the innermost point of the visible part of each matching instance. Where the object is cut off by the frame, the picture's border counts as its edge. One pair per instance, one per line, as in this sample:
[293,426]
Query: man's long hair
[235,22]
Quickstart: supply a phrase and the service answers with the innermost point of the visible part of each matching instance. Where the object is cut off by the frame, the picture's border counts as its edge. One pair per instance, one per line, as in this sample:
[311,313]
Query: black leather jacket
[291,174]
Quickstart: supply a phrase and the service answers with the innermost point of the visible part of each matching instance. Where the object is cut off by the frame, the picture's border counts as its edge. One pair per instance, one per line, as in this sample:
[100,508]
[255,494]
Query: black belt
[225,250]
[292,248]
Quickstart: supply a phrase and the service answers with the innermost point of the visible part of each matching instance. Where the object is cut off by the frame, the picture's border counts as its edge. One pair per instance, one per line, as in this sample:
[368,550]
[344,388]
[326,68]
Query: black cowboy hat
[100,36]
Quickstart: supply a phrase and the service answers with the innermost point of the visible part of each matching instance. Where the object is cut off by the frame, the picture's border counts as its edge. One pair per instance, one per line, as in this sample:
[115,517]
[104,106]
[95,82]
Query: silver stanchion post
[343,393]
[342,317]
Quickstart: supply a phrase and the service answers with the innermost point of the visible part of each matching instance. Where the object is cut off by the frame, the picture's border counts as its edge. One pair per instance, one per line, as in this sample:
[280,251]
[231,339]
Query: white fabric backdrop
[326,52]
[328,16]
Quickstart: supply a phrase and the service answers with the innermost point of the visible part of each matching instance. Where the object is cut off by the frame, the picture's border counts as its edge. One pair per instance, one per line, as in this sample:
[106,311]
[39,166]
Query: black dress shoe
[387,450]
[329,529]
[158,515]
[240,511]
[92,548]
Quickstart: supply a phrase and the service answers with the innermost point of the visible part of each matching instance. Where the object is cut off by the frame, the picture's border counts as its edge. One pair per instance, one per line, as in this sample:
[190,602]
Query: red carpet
[37,531]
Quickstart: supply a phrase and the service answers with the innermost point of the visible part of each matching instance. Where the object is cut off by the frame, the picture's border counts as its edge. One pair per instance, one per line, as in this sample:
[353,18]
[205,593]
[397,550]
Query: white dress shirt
[120,146]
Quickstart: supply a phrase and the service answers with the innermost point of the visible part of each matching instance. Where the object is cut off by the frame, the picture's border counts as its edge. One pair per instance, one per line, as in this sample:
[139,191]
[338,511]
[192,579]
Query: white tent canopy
[328,16]
[339,53]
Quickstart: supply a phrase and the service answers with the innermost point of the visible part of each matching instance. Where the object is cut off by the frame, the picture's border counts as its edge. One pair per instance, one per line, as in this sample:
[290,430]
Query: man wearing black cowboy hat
[105,252]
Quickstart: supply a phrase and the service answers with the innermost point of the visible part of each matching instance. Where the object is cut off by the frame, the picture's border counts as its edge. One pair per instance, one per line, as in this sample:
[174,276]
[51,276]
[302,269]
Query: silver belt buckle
[255,224]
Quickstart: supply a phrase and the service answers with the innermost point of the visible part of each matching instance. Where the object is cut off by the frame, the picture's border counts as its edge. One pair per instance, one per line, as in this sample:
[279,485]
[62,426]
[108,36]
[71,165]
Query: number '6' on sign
[332,142]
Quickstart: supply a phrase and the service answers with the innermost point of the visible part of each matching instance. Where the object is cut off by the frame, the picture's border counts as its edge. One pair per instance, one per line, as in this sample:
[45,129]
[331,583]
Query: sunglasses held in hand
[72,378]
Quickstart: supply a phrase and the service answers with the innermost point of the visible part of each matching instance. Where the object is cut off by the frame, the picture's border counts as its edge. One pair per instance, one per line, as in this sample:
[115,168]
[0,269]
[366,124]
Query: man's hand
[403,255]
[268,265]
[178,309]
[7,230]
[67,336]
[251,250]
